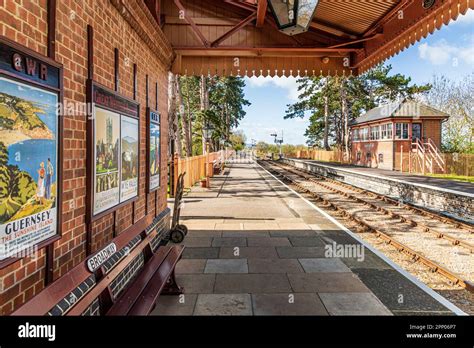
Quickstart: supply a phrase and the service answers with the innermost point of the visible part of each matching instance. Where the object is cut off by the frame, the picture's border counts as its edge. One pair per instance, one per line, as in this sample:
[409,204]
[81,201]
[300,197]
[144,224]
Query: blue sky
[449,51]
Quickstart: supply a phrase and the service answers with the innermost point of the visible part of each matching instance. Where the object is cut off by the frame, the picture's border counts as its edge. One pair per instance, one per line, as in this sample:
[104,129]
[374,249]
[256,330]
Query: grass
[454,177]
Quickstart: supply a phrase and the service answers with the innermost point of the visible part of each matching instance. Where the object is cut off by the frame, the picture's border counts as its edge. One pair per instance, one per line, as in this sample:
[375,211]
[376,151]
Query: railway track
[395,224]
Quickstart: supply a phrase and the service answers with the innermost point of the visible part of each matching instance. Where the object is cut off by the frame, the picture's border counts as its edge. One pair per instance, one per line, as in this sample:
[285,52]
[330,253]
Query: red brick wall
[375,148]
[432,129]
[27,24]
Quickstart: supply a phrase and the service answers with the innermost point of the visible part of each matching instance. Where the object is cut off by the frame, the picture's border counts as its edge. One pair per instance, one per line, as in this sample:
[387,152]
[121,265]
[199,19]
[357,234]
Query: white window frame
[386,132]
[375,134]
[355,134]
[402,126]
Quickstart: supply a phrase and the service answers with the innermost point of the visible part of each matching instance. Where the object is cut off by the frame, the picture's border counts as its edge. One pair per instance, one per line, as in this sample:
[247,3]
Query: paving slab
[326,282]
[229,242]
[268,241]
[226,266]
[200,253]
[196,283]
[353,304]
[246,233]
[307,241]
[248,252]
[293,233]
[293,226]
[252,283]
[191,241]
[232,226]
[175,305]
[322,265]
[223,304]
[203,233]
[258,226]
[288,304]
[274,266]
[300,252]
[189,266]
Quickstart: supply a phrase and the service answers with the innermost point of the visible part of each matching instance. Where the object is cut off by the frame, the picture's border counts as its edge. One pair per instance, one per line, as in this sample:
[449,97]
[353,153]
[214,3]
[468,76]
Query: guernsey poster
[28,166]
[129,165]
[107,147]
[154,151]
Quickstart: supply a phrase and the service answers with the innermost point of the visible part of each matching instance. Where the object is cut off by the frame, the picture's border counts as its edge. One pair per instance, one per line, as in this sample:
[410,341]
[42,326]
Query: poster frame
[54,87]
[134,112]
[148,149]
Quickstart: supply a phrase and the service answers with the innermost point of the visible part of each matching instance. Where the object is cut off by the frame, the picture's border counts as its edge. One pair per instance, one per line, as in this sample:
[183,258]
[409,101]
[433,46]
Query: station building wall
[25,22]
[381,154]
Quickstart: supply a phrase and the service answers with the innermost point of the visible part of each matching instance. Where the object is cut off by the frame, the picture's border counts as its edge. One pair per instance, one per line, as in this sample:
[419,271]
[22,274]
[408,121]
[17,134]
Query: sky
[448,51]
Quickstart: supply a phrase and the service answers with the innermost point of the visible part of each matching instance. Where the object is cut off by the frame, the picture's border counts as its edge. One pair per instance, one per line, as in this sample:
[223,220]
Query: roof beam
[261,12]
[386,17]
[331,29]
[235,29]
[262,51]
[356,41]
[194,27]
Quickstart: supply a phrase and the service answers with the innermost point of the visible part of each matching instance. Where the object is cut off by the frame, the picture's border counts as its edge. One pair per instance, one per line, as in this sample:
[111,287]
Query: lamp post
[293,16]
[207,133]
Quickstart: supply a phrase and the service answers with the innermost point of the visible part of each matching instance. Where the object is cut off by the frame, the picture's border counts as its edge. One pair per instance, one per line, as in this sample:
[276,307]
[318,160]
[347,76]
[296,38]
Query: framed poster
[30,93]
[129,158]
[113,143]
[154,149]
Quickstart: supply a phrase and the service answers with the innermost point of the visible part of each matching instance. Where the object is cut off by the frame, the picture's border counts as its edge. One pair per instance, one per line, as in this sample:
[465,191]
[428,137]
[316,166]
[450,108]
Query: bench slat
[146,301]
[130,295]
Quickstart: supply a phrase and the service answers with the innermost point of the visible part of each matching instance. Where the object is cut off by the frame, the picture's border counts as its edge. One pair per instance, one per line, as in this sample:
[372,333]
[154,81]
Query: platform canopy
[232,37]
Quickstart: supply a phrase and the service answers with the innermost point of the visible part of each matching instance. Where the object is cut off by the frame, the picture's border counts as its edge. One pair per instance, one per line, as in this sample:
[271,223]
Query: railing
[435,153]
[421,155]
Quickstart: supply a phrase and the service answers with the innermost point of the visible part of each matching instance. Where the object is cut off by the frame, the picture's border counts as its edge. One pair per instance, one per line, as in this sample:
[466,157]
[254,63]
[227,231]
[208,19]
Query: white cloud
[287,83]
[442,52]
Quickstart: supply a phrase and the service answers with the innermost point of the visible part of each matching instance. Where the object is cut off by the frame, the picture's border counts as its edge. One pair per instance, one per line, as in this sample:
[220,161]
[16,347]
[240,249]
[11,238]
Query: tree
[237,140]
[457,100]
[208,100]
[332,103]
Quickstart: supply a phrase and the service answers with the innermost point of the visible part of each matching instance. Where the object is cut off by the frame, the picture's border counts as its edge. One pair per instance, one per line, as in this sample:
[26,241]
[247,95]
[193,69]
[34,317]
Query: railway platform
[442,184]
[451,198]
[256,247]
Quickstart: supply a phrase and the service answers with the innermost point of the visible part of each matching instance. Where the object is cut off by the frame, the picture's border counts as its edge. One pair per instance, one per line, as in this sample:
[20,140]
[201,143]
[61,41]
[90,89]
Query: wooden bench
[128,282]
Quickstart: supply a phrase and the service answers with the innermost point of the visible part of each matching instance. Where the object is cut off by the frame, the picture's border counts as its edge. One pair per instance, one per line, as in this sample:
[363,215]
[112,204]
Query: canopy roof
[240,37]
[401,109]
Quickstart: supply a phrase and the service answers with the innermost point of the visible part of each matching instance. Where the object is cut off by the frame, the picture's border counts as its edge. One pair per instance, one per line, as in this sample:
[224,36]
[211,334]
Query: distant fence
[321,155]
[197,167]
[454,163]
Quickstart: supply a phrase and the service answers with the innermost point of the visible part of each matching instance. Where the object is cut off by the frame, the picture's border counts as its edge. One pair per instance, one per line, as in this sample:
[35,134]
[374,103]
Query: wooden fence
[197,167]
[322,155]
[454,164]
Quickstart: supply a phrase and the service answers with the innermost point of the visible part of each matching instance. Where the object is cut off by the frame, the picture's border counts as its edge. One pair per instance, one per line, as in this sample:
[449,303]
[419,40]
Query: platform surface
[443,184]
[256,248]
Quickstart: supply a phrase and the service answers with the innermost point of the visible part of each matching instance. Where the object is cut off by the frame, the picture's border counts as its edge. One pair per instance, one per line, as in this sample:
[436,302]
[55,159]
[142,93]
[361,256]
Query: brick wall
[27,25]
[432,129]
[385,148]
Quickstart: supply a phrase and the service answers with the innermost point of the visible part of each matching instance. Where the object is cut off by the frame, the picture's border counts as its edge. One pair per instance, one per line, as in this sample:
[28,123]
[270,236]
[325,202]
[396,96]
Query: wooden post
[401,159]
[424,164]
